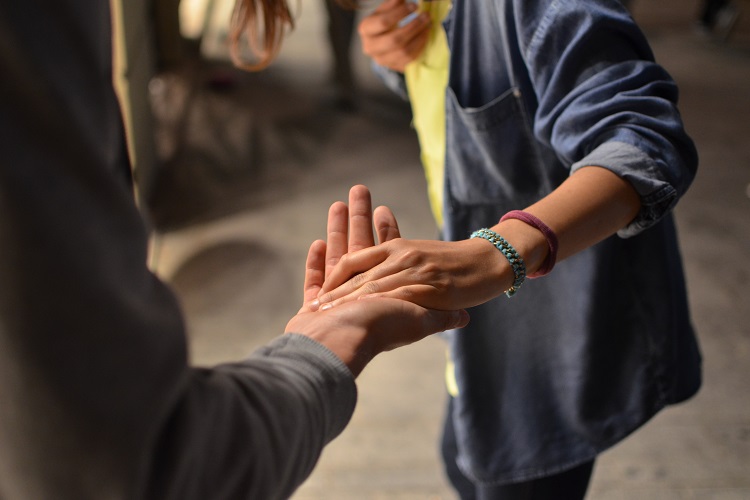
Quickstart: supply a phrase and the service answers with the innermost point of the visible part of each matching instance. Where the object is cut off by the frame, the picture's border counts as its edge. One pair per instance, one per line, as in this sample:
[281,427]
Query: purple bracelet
[548,233]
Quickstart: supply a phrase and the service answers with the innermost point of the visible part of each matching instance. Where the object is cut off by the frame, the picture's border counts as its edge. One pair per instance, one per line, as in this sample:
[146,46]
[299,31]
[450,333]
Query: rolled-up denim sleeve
[657,195]
[603,101]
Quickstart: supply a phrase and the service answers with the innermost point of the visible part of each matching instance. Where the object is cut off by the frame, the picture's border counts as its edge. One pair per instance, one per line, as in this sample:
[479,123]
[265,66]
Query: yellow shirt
[426,80]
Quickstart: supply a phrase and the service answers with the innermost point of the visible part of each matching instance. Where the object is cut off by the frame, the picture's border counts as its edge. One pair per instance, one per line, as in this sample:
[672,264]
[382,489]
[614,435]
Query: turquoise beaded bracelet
[515,260]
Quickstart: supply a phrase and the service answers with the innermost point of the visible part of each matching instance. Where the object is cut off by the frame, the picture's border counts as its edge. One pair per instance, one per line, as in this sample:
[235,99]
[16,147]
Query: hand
[435,274]
[345,236]
[388,44]
[357,331]
[589,206]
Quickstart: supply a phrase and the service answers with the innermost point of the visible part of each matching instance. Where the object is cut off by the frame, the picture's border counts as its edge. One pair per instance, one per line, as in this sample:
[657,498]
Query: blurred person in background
[340,31]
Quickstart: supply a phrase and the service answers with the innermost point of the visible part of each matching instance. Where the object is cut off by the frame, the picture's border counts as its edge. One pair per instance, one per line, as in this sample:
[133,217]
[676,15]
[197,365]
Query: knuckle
[430,269]
[380,23]
[358,280]
[371,287]
[410,257]
[396,246]
[343,261]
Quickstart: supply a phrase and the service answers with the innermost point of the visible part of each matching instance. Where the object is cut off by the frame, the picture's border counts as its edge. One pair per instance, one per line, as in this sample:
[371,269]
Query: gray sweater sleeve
[253,429]
[97,400]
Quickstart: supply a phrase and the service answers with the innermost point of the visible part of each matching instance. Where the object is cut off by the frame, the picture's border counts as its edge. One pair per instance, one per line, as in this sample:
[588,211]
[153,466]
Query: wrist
[528,241]
[350,343]
[496,273]
[514,260]
[549,236]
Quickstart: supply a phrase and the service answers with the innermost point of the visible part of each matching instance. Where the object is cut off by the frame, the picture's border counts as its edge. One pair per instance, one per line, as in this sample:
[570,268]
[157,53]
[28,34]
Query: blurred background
[236,172]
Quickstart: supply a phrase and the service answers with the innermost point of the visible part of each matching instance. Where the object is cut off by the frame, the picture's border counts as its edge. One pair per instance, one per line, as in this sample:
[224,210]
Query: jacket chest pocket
[491,154]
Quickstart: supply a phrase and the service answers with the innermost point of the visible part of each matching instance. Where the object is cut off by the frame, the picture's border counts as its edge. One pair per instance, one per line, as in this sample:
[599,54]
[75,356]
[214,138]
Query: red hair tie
[548,233]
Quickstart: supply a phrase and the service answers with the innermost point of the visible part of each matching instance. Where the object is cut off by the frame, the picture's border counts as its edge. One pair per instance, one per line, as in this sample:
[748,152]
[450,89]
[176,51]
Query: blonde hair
[265,22]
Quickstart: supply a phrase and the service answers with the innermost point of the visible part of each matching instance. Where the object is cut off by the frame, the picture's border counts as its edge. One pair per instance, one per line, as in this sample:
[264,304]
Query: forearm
[253,429]
[591,205]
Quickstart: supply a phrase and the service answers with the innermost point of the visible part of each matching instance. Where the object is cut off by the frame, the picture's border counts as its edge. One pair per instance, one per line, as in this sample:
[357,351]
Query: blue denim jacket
[582,357]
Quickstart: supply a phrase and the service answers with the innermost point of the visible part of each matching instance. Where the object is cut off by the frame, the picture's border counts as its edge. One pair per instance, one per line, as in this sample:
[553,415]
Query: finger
[314,271]
[382,281]
[358,265]
[385,18]
[427,322]
[415,37]
[386,225]
[337,235]
[360,219]
[440,321]
[389,287]
[420,294]
[397,49]
[386,36]
[411,323]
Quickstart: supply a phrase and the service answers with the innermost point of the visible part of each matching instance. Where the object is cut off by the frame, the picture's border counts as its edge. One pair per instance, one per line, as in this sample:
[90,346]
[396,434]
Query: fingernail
[314,305]
[408,19]
[326,307]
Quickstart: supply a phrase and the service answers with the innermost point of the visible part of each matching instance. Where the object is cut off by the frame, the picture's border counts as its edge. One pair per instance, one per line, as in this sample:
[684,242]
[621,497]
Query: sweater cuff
[327,370]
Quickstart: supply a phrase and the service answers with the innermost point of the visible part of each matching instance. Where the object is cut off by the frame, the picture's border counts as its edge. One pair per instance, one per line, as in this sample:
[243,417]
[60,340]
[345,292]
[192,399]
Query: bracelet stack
[548,233]
[510,253]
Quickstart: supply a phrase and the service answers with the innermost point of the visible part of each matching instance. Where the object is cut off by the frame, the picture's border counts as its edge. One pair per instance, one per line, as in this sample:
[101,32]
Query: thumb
[440,321]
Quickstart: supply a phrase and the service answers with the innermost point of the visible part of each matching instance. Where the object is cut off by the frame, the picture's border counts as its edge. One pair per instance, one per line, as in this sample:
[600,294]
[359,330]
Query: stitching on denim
[542,28]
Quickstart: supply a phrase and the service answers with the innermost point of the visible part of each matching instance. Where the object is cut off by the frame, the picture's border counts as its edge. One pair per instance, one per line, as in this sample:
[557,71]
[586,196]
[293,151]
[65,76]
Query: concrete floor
[253,161]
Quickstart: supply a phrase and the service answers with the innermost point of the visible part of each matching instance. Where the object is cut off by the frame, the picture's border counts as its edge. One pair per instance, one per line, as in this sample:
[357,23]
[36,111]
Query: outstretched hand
[589,206]
[359,330]
[433,274]
[350,228]
[444,275]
